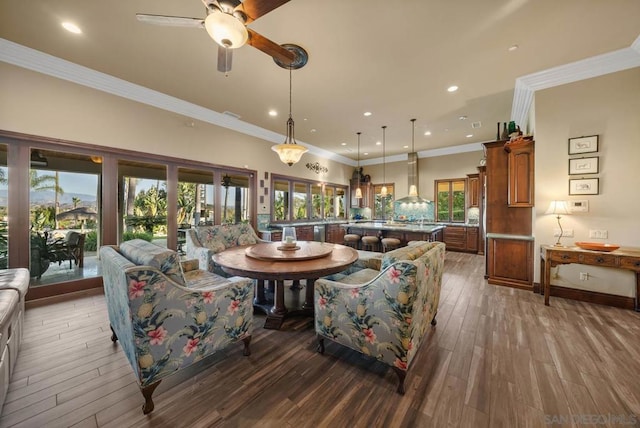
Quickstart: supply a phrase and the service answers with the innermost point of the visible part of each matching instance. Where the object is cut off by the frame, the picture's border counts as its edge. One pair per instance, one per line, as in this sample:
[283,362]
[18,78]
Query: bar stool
[390,244]
[352,240]
[370,243]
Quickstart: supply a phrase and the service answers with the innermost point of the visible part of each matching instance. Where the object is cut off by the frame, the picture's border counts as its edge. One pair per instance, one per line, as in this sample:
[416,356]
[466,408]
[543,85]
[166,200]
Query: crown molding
[588,68]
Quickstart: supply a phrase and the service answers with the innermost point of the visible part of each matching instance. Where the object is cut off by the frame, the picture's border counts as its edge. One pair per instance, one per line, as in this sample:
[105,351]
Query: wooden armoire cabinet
[509,213]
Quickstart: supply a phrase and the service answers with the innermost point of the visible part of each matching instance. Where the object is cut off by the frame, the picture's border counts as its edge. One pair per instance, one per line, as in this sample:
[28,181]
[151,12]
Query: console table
[627,258]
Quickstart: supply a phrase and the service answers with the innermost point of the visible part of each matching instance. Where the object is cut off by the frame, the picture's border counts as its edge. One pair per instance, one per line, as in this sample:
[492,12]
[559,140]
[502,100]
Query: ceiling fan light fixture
[226,30]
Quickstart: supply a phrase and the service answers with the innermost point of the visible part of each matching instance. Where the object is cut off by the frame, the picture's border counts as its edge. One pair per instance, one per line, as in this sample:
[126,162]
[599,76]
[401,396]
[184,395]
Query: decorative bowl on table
[597,246]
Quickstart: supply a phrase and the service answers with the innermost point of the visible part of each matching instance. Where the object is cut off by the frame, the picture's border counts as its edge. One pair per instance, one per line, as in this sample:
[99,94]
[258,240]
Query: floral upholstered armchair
[205,241]
[166,319]
[385,313]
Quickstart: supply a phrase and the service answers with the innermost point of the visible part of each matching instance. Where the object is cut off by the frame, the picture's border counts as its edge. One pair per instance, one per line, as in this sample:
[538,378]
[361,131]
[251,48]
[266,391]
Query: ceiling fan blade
[254,9]
[225,56]
[172,21]
[270,48]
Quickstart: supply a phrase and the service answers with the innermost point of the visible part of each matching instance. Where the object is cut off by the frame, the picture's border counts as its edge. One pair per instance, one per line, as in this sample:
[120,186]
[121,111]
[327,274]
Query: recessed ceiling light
[462,118]
[273,113]
[513,48]
[313,130]
[367,113]
[452,88]
[71,27]
[378,143]
[366,153]
[469,135]
[343,144]
[405,147]
[427,133]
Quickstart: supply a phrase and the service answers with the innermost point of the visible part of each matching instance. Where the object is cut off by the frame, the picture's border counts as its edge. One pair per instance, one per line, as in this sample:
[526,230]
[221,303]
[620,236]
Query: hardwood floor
[498,357]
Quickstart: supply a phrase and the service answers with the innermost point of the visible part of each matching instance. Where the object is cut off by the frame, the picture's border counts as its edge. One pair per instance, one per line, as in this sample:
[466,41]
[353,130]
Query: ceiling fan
[226,22]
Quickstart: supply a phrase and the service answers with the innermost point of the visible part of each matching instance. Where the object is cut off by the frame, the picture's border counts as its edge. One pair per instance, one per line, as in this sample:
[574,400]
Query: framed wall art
[584,165]
[584,186]
[583,145]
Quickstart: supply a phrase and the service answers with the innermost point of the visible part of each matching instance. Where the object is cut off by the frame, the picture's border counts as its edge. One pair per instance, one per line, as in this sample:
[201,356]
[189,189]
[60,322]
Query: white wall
[608,106]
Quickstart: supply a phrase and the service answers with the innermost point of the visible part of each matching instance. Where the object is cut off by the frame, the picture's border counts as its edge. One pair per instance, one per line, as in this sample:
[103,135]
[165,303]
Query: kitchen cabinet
[304,233]
[461,238]
[472,239]
[455,238]
[520,170]
[334,234]
[510,261]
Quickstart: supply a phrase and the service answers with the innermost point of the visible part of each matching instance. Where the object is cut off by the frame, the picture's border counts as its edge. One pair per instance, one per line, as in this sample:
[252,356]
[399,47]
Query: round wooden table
[265,262]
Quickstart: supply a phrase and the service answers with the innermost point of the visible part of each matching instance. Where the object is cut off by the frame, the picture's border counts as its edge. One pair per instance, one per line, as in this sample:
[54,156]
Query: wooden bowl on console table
[597,246]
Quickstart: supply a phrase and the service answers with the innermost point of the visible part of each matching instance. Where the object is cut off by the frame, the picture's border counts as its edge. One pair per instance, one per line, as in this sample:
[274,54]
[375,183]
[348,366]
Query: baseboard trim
[596,297]
[43,301]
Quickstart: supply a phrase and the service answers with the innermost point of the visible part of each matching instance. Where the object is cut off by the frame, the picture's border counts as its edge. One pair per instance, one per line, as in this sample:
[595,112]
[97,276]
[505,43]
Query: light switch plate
[581,206]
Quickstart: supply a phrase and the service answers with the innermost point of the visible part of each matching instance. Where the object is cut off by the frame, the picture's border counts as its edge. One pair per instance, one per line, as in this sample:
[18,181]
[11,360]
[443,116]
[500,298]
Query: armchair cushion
[165,260]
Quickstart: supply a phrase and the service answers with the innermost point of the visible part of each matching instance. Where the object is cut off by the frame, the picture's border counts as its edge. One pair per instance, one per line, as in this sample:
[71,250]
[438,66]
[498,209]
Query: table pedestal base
[281,299]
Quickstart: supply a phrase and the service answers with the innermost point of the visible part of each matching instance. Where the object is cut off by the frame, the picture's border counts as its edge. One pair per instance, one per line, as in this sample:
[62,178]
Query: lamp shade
[226,30]
[358,193]
[289,153]
[558,208]
[413,190]
[383,191]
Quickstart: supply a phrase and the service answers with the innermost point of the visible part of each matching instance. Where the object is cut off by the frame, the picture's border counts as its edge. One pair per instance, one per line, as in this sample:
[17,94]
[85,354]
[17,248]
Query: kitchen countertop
[409,227]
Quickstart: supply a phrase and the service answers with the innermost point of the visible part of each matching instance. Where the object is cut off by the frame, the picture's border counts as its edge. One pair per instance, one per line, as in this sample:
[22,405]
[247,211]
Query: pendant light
[289,152]
[413,189]
[359,190]
[383,191]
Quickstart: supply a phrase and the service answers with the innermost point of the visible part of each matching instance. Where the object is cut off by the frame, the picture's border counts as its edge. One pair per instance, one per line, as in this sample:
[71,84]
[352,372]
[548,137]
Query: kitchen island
[405,232]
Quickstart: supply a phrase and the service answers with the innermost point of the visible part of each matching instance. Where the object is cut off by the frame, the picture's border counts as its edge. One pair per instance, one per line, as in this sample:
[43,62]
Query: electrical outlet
[584,276]
[598,234]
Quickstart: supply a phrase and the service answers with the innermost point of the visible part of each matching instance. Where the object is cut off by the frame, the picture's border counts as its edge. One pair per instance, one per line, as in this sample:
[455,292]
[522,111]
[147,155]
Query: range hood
[412,175]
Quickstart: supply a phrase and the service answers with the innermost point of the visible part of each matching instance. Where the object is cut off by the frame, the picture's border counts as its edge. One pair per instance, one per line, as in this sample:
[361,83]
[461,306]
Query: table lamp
[558,208]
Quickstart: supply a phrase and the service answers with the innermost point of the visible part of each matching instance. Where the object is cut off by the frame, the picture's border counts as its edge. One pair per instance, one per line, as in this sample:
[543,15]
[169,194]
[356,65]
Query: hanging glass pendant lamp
[289,152]
[383,191]
[359,190]
[413,189]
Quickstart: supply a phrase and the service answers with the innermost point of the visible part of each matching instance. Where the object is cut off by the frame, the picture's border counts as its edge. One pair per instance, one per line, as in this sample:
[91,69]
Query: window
[383,206]
[450,200]
[300,200]
[235,202]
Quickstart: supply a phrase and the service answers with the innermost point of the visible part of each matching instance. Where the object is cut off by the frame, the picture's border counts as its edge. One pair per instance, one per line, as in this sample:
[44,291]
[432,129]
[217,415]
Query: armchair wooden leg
[401,376]
[320,347]
[114,336]
[147,392]
[246,351]
[434,321]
